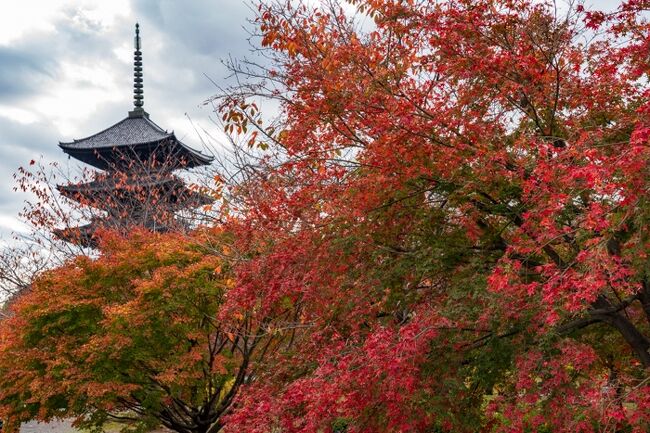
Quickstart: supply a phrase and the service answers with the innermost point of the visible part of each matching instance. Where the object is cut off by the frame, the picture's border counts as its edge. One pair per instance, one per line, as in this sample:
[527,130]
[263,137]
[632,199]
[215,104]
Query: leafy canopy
[135,335]
[456,196]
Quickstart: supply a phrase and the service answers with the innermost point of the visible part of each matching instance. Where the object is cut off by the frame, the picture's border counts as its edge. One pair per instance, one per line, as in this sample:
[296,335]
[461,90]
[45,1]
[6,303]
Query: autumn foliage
[456,197]
[445,230]
[135,336]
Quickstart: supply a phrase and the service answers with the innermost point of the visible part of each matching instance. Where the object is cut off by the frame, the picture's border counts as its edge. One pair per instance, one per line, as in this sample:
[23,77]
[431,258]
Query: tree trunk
[639,342]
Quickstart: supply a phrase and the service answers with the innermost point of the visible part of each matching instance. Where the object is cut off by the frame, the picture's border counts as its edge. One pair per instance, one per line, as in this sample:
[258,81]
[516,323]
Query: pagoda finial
[138,93]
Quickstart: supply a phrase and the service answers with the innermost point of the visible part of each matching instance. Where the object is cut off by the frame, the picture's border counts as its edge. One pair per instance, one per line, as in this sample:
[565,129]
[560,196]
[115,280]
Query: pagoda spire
[138,93]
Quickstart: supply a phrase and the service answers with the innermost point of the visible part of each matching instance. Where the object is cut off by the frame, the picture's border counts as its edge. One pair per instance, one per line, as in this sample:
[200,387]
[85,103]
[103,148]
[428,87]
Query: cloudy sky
[66,72]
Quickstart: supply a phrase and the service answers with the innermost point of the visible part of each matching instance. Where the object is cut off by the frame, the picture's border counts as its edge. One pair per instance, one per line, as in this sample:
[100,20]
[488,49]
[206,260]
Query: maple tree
[137,335]
[454,196]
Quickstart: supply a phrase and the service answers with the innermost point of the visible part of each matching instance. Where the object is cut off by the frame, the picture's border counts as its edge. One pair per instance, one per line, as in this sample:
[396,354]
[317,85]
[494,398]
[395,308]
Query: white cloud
[33,16]
[12,224]
[24,117]
[84,89]
[24,17]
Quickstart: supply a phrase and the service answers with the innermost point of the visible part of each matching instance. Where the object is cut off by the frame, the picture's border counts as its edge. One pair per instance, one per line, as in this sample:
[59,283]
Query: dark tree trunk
[639,342]
[644,297]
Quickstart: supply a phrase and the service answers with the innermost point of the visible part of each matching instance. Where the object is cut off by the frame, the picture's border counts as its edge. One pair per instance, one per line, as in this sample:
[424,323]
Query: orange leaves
[251,140]
[292,48]
[219,365]
[101,390]
[269,38]
[143,315]
[443,199]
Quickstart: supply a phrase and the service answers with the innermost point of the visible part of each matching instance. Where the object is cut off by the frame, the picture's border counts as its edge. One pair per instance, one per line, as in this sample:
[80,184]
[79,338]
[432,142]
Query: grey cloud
[31,64]
[207,27]
[22,72]
[18,145]
[194,38]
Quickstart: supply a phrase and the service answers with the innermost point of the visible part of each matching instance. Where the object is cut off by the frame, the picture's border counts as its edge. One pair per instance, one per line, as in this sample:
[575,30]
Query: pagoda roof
[112,184]
[99,188]
[134,133]
[126,132]
[83,235]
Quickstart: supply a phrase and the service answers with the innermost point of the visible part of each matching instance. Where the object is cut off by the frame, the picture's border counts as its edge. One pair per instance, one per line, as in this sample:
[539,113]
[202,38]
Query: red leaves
[451,212]
[378,377]
[589,394]
[480,163]
[594,19]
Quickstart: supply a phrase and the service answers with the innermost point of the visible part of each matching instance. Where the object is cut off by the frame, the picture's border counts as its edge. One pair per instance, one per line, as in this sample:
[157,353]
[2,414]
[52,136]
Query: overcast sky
[66,72]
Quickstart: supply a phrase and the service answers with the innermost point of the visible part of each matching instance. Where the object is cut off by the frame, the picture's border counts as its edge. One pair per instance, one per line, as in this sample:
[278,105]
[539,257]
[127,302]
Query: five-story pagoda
[136,185]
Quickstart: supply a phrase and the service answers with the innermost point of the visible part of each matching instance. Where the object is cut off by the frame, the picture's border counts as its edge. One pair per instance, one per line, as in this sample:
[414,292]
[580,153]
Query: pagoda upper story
[136,186]
[136,136]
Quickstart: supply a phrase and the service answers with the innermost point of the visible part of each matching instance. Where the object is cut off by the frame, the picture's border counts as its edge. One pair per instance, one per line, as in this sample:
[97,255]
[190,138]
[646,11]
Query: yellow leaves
[117,310]
[226,388]
[292,48]
[282,135]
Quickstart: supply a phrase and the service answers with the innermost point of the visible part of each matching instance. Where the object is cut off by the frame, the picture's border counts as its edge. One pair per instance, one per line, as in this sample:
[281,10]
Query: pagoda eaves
[169,189]
[133,136]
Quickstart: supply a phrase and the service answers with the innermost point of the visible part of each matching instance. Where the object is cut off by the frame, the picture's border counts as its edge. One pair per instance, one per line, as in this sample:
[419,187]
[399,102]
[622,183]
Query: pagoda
[135,184]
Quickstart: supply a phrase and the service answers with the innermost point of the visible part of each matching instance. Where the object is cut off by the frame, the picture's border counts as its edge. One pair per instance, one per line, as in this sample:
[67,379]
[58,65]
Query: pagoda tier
[85,235]
[168,190]
[135,140]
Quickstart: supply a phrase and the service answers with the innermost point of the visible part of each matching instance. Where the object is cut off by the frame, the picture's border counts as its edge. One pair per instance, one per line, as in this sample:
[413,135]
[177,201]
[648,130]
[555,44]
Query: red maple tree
[455,199]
